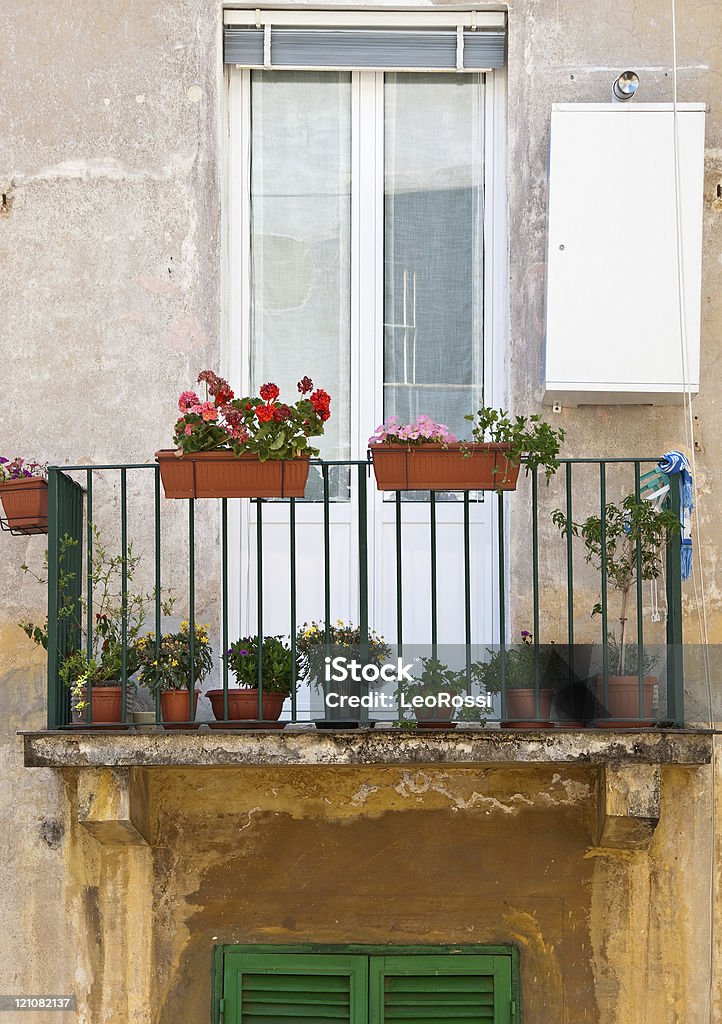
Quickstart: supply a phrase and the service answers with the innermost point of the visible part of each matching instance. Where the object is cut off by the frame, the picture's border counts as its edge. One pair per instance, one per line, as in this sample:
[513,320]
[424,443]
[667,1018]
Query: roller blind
[415,48]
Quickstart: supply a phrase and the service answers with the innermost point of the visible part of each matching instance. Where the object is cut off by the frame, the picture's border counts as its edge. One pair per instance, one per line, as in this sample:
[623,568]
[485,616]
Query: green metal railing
[520,532]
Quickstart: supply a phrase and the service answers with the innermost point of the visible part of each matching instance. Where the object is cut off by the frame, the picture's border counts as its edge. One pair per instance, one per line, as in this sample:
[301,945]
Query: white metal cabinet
[613,324]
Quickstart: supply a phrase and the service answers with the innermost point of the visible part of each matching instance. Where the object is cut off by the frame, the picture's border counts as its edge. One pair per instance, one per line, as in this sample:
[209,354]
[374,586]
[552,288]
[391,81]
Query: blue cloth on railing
[676,463]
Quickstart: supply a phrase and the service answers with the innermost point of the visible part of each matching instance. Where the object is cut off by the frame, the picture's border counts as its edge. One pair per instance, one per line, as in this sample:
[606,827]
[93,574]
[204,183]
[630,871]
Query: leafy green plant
[277,663]
[630,536]
[97,659]
[167,665]
[530,437]
[519,662]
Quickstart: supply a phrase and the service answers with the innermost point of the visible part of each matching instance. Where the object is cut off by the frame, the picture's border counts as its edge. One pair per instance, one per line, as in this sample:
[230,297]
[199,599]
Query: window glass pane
[433,246]
[301,239]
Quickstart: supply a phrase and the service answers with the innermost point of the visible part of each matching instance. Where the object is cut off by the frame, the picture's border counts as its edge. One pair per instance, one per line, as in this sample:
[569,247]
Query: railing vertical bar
[675,682]
[158,583]
[294,610]
[640,609]
[124,591]
[603,545]
[363,573]
[326,559]
[467,588]
[224,602]
[53,601]
[89,566]
[535,586]
[89,611]
[259,602]
[502,605]
[71,516]
[570,572]
[399,578]
[192,606]
[434,608]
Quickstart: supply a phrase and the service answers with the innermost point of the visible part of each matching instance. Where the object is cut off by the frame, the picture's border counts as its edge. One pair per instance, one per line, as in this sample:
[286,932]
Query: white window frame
[367,268]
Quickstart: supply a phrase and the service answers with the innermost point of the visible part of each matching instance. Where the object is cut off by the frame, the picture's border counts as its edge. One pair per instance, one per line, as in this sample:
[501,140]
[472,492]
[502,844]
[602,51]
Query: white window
[364,251]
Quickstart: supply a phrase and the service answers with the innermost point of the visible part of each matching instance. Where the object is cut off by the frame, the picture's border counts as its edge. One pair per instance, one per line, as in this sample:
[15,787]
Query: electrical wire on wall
[700,596]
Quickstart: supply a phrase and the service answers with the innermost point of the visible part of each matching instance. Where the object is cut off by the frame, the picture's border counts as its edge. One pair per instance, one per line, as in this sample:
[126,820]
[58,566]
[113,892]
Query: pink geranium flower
[187,399]
[209,411]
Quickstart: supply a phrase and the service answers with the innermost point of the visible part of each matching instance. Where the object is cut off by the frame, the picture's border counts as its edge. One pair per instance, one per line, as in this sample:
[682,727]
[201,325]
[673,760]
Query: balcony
[454,577]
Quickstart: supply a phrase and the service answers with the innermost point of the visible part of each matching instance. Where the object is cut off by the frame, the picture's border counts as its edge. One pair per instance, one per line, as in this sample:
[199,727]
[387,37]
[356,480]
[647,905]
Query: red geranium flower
[321,401]
[268,392]
[265,412]
[305,385]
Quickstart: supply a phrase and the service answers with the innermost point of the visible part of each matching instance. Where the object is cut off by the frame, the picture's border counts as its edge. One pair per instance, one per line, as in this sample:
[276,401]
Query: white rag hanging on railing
[676,463]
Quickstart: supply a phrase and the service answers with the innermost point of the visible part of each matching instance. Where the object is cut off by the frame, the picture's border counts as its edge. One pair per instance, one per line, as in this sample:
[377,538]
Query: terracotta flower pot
[175,706]
[520,712]
[243,707]
[623,701]
[225,475]
[106,704]
[432,467]
[25,502]
[435,718]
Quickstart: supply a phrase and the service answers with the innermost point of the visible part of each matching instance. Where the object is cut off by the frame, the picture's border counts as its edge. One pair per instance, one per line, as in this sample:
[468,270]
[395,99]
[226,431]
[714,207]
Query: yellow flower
[204,639]
[174,663]
[155,662]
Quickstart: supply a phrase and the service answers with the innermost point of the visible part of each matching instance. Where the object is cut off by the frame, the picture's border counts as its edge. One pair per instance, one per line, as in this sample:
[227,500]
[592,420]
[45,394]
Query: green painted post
[675,666]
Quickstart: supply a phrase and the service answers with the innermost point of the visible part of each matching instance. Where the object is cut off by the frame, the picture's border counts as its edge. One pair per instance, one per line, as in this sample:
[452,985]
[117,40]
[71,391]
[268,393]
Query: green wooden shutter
[442,989]
[290,988]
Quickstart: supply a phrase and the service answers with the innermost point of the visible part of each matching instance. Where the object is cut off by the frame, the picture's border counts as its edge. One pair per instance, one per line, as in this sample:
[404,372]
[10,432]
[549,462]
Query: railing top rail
[570,460]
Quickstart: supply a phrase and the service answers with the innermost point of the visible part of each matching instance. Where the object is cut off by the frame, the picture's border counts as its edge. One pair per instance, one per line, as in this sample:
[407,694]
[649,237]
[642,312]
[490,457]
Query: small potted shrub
[24,495]
[317,641]
[252,447]
[97,662]
[516,664]
[634,523]
[431,694]
[426,456]
[165,668]
[277,669]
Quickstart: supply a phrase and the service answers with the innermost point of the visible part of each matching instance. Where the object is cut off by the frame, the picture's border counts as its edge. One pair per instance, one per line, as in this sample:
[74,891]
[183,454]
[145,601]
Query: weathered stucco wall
[110,236]
[424,855]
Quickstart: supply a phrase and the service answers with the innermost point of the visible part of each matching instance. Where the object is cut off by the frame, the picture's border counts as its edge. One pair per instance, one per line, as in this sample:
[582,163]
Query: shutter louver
[451,999]
[441,989]
[271,998]
[290,988]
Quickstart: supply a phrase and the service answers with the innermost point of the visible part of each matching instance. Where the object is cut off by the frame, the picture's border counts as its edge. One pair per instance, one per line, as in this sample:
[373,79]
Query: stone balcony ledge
[296,747]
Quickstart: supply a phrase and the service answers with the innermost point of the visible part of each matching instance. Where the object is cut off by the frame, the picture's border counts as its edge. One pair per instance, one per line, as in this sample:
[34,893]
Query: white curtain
[301,239]
[433,259]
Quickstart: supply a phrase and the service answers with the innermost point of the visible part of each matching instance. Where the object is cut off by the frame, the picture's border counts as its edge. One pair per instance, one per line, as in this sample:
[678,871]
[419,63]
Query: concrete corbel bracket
[113,805]
[629,805]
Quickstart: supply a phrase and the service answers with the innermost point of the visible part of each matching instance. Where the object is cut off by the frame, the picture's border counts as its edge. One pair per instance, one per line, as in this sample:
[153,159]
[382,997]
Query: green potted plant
[632,528]
[317,641]
[425,455]
[252,447]
[95,663]
[165,669]
[515,665]
[24,496]
[433,695]
[242,701]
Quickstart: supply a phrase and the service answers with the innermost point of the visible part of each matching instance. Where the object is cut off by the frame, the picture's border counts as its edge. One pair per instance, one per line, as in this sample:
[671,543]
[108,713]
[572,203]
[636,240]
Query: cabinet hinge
[221,1011]
[512,1007]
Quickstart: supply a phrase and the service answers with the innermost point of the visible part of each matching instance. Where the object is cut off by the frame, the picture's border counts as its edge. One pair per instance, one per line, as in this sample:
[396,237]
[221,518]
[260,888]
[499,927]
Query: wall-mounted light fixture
[626,86]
